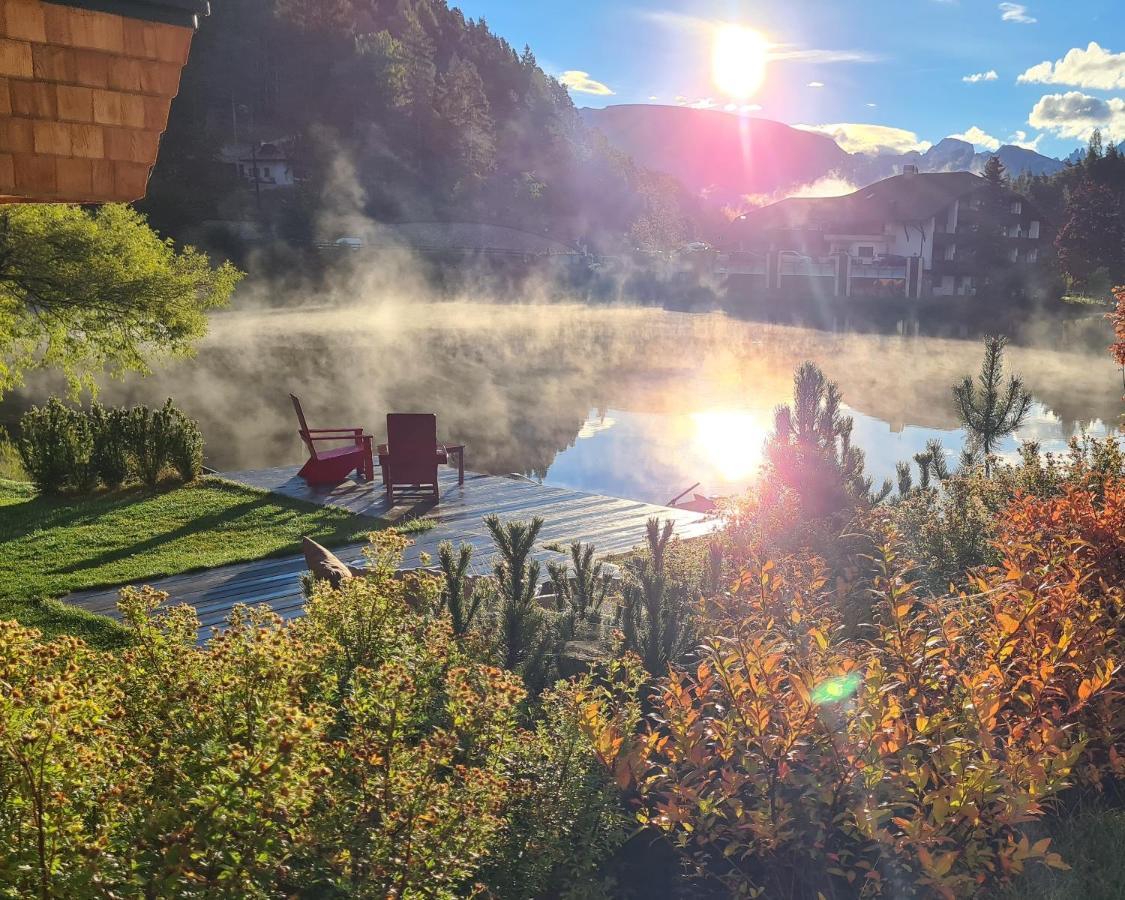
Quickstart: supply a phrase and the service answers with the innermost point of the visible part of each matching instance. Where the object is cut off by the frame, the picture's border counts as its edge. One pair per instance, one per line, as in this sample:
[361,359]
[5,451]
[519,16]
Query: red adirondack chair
[331,465]
[410,457]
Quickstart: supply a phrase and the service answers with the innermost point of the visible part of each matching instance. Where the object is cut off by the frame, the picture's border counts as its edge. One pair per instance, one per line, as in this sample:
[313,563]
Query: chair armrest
[332,437]
[335,430]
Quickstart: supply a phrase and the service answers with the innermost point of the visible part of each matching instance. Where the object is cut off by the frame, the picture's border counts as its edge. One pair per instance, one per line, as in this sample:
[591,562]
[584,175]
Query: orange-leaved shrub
[800,758]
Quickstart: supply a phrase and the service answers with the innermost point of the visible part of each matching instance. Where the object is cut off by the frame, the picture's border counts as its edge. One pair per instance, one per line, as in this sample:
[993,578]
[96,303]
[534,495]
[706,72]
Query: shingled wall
[84,98]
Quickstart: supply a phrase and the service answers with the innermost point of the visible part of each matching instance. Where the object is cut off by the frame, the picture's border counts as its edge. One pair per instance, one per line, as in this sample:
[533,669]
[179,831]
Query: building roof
[901,198]
[185,13]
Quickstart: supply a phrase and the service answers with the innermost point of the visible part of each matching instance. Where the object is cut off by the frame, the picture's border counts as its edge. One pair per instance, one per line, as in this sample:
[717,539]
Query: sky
[876,74]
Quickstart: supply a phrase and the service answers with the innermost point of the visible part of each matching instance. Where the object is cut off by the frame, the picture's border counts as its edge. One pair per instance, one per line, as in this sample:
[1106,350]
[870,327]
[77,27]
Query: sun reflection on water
[730,441]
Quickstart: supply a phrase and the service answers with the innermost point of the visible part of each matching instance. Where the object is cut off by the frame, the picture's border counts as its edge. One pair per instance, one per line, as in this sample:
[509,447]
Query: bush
[71,449]
[111,447]
[339,755]
[795,758]
[150,435]
[56,445]
[185,444]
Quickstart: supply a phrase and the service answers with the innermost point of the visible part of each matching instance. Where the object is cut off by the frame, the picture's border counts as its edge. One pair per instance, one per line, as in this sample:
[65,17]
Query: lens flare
[738,60]
[835,690]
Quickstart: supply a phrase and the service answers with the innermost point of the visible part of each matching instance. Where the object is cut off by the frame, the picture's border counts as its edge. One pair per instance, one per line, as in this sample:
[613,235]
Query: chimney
[909,169]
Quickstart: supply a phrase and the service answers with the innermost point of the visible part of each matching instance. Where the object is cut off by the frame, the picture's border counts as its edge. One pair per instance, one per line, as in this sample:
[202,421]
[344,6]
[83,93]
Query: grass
[50,546]
[1090,840]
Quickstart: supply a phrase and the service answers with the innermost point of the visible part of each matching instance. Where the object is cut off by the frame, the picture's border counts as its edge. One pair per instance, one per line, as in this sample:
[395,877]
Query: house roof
[901,198]
[185,13]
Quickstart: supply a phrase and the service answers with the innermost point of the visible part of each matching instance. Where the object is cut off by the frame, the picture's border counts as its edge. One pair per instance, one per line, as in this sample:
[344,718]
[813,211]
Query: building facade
[913,235]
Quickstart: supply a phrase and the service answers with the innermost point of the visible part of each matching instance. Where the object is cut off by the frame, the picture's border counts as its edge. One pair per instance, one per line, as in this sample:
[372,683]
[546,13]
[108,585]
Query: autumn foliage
[797,757]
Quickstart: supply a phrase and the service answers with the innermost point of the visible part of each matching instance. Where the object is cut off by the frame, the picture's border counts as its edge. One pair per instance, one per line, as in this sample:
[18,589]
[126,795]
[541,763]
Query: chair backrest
[412,441]
[304,431]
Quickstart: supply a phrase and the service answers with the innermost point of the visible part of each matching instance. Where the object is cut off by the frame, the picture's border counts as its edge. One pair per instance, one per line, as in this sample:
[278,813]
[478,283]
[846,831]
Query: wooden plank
[612,524]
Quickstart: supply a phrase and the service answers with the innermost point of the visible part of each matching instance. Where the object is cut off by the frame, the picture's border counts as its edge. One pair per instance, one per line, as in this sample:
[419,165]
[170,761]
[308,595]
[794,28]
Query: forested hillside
[406,111]
[1086,203]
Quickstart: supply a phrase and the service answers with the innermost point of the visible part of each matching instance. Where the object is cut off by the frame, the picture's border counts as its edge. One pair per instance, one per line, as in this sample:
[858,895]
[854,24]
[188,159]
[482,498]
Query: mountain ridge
[729,158]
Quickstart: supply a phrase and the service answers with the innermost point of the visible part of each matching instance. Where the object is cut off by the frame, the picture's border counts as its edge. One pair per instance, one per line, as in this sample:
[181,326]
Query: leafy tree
[84,291]
[995,410]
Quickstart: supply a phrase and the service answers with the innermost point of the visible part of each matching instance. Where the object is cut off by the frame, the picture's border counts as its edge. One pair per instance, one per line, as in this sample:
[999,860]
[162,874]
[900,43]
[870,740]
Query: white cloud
[582,83]
[831,185]
[1020,139]
[1095,67]
[978,77]
[978,137]
[1016,12]
[1076,115]
[816,84]
[872,105]
[862,138]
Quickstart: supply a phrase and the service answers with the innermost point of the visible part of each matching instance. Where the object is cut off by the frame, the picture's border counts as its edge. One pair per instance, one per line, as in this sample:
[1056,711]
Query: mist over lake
[631,402]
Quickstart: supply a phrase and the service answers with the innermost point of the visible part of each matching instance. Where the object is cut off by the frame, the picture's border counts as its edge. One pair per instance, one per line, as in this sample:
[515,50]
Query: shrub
[71,449]
[656,614]
[111,446]
[56,446]
[356,752]
[185,443]
[149,434]
[565,819]
[795,758]
[526,632]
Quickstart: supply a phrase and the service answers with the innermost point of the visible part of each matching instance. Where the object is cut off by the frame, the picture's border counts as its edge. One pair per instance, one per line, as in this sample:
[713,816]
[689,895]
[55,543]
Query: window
[951,252]
[1032,255]
[1017,207]
[266,171]
[1015,255]
[1015,231]
[1033,229]
[865,252]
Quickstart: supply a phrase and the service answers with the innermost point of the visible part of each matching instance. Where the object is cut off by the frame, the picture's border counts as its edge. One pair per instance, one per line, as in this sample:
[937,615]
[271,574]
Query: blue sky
[1042,73]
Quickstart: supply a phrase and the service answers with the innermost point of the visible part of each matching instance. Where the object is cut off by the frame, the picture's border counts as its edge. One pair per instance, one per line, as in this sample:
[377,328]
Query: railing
[874,270]
[807,267]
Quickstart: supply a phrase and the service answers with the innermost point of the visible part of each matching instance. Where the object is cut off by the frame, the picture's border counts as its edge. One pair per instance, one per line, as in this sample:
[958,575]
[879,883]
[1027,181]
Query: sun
[738,60]
[730,442]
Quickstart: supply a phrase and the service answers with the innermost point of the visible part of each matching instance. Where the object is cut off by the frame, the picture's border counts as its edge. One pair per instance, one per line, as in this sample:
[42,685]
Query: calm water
[627,402]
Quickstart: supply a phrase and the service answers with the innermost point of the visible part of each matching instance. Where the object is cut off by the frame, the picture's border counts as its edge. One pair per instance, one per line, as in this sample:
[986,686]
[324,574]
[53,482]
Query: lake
[629,402]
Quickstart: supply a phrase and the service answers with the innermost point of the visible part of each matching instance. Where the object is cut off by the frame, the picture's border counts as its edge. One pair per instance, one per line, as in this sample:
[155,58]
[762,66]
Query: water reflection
[628,402]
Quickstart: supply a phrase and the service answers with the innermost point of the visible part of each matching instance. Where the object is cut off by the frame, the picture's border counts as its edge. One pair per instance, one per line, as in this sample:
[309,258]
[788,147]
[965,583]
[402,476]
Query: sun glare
[731,442]
[738,60]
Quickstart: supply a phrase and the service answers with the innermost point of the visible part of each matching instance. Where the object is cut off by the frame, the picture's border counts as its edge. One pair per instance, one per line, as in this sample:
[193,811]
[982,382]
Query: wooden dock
[613,525]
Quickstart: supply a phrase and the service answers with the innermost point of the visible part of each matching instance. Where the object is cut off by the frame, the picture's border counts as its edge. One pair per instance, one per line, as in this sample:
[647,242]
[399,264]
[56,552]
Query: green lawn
[50,546]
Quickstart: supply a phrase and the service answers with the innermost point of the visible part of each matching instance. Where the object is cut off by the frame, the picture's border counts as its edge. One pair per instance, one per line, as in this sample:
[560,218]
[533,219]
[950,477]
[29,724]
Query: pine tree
[524,629]
[656,620]
[810,450]
[461,604]
[996,410]
[995,173]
